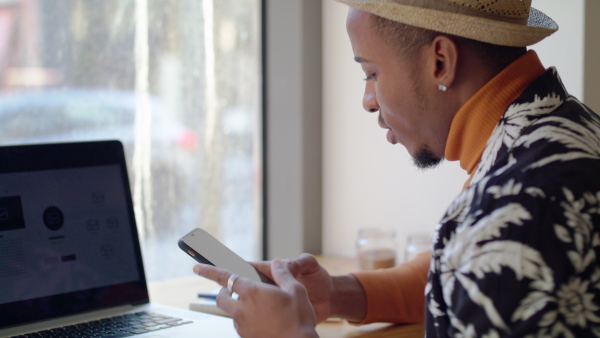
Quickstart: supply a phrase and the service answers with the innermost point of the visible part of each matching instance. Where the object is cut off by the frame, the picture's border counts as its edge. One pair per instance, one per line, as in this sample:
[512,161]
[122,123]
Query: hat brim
[481,29]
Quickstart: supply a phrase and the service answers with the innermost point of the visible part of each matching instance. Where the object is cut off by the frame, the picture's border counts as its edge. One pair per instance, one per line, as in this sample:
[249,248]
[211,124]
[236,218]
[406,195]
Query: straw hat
[500,22]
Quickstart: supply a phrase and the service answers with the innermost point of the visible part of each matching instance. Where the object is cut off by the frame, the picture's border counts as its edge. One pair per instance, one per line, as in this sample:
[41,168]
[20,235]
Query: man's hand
[264,310]
[314,277]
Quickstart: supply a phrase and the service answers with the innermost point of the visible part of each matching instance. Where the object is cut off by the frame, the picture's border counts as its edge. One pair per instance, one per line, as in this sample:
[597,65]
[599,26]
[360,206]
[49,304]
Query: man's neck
[476,119]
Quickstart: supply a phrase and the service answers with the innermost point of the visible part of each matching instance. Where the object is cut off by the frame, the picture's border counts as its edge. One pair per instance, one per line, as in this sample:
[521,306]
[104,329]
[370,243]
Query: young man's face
[395,88]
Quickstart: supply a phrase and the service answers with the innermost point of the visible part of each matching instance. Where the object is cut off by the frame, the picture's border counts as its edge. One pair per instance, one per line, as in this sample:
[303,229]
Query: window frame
[292,132]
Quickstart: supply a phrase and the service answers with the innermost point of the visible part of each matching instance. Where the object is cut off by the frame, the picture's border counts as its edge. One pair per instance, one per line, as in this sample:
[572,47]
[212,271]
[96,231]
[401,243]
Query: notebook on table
[69,249]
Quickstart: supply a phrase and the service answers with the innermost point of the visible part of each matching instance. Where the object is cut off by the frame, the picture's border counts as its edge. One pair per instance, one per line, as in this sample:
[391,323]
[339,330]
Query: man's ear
[443,57]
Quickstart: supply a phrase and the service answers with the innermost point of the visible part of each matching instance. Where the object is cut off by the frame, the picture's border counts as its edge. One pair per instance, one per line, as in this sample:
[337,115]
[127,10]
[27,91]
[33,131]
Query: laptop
[70,253]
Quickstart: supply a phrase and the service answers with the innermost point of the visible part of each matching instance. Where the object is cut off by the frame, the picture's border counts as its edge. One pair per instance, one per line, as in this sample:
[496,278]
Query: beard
[425,159]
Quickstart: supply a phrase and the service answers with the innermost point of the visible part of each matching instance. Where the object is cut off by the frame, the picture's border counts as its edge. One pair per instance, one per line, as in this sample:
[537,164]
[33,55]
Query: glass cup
[376,248]
[416,244]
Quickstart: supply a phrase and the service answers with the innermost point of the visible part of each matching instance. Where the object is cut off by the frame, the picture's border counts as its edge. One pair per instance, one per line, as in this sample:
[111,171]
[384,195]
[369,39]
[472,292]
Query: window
[177,81]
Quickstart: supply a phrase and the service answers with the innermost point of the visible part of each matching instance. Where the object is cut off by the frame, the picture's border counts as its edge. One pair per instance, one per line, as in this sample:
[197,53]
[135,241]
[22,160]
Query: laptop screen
[68,239]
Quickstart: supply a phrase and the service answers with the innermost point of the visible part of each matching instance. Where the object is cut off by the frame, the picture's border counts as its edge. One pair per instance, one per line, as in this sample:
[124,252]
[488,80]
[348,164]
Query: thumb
[283,276]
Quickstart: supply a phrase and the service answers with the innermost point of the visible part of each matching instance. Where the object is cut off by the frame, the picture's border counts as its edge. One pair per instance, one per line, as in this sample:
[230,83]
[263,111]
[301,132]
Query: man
[516,254]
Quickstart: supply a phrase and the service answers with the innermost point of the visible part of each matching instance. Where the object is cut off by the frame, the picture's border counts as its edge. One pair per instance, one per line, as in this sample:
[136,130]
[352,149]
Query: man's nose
[370,103]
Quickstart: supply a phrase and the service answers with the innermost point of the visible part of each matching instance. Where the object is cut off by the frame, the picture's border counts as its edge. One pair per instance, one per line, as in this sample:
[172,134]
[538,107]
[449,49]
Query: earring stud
[442,87]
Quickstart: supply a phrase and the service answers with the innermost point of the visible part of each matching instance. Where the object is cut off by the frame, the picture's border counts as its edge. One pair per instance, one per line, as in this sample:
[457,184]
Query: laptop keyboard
[127,325]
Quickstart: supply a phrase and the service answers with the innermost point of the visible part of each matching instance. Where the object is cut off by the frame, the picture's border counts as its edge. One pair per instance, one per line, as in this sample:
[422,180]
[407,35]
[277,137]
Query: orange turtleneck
[397,294]
[475,121]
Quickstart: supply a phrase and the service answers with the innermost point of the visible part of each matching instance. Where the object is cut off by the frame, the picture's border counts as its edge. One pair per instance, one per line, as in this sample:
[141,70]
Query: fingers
[222,276]
[226,302]
[304,264]
[307,260]
[283,276]
[213,273]
[283,272]
[263,267]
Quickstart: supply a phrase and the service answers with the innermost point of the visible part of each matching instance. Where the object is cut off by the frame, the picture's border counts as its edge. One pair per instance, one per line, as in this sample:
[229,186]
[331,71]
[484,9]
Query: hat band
[446,6]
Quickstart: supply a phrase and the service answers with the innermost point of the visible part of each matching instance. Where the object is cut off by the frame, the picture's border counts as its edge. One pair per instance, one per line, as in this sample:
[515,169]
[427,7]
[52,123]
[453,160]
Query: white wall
[368,182]
[564,49]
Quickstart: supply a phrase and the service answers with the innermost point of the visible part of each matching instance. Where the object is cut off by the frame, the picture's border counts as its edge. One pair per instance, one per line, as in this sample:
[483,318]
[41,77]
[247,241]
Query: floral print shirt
[517,252]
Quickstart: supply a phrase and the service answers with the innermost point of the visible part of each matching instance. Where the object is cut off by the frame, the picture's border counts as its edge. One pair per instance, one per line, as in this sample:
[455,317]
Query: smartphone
[206,249]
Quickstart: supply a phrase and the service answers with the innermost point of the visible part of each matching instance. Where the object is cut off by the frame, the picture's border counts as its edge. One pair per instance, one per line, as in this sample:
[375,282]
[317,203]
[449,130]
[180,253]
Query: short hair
[410,39]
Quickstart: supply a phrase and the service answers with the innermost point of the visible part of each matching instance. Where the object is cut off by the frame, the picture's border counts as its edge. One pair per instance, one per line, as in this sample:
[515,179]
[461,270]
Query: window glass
[177,81]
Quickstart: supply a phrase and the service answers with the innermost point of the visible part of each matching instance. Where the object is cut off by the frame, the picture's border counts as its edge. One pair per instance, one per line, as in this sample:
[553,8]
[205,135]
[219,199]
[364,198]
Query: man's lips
[390,135]
[382,123]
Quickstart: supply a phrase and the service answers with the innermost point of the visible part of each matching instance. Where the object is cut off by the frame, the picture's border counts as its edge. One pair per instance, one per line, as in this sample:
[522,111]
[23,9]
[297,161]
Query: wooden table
[181,291]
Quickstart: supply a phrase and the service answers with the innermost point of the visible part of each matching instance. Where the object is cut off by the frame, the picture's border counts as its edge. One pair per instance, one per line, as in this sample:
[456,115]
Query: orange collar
[475,121]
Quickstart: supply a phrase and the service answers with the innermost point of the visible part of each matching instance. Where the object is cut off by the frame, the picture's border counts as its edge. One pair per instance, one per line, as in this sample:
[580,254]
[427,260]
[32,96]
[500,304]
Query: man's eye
[370,77]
